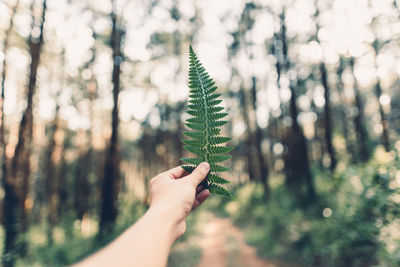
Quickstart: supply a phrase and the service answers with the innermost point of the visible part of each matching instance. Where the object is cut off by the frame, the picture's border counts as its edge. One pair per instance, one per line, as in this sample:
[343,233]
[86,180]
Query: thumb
[199,174]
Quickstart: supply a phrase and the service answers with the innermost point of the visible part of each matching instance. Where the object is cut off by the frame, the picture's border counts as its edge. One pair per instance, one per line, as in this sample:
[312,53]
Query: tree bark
[10,199]
[377,46]
[384,121]
[3,81]
[62,173]
[298,172]
[110,186]
[262,164]
[20,165]
[342,108]
[81,183]
[51,178]
[249,148]
[361,131]
[328,116]
[85,167]
[297,166]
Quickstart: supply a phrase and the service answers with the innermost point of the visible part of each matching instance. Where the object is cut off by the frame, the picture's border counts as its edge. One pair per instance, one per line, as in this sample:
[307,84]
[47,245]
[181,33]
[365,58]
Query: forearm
[146,243]
[154,235]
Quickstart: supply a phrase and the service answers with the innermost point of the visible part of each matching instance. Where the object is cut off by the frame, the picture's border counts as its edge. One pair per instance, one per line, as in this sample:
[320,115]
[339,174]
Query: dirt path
[223,245]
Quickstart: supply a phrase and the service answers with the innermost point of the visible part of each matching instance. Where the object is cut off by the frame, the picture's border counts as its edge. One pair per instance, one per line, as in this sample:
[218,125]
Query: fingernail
[204,165]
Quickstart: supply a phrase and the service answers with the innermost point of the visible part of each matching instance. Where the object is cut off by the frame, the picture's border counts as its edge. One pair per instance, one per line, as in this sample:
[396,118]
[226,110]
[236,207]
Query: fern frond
[205,140]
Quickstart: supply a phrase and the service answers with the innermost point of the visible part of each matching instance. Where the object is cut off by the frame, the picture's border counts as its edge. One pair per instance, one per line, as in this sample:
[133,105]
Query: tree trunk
[342,108]
[53,161]
[51,178]
[20,166]
[361,131]
[377,45]
[3,82]
[297,165]
[317,143]
[62,174]
[262,164]
[327,116]
[84,168]
[249,147]
[83,195]
[81,184]
[10,199]
[110,186]
[384,121]
[378,92]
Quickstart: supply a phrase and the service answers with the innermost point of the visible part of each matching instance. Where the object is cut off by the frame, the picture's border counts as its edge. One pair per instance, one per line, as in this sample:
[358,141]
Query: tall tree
[249,138]
[110,186]
[317,143]
[18,181]
[257,166]
[364,152]
[10,196]
[3,83]
[85,166]
[377,45]
[343,106]
[52,158]
[261,163]
[248,149]
[258,138]
[297,166]
[50,175]
[327,117]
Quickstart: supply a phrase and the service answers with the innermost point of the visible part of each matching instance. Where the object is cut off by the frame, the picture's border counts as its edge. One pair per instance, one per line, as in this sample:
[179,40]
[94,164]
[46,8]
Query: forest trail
[223,245]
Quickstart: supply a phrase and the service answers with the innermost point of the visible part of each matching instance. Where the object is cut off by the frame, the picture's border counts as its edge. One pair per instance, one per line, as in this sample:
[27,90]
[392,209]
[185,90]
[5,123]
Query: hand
[176,194]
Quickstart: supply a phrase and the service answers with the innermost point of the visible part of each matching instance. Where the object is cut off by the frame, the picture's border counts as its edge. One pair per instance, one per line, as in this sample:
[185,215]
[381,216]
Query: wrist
[170,221]
[167,211]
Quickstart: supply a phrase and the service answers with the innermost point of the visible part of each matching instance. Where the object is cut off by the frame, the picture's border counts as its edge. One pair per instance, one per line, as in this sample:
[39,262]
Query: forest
[93,104]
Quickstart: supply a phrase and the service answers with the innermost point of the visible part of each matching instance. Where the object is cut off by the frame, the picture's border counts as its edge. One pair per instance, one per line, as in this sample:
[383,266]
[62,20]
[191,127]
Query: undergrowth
[354,222]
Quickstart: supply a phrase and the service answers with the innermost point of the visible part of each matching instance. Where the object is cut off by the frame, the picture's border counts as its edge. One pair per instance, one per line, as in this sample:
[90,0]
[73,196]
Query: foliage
[189,256]
[353,223]
[205,141]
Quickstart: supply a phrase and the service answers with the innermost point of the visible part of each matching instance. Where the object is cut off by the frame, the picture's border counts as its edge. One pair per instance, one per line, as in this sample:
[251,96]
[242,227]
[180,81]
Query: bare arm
[148,242]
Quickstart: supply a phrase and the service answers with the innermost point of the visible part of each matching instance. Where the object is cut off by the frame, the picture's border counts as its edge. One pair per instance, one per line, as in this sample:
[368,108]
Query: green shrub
[351,224]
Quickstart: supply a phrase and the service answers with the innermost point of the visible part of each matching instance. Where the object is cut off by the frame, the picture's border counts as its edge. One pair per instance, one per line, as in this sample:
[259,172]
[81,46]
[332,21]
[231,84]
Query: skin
[173,195]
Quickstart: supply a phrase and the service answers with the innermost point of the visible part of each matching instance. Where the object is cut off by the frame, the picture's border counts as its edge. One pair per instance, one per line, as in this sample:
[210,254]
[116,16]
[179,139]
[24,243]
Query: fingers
[200,197]
[176,173]
[199,174]
[199,188]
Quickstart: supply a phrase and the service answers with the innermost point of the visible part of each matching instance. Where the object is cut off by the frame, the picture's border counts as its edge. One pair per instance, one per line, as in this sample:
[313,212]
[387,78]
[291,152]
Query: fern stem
[203,96]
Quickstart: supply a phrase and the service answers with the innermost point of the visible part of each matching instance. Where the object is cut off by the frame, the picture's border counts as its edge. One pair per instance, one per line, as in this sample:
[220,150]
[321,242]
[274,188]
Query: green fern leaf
[205,140]
[216,189]
[216,179]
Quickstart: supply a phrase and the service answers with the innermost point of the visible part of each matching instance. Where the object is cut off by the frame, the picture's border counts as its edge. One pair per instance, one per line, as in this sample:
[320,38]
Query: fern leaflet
[204,141]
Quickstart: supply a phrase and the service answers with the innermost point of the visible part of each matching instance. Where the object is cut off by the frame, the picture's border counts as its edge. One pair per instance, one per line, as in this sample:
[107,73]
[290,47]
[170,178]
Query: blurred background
[93,99]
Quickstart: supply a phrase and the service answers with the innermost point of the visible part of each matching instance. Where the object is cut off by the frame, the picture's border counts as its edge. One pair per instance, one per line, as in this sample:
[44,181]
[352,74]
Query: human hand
[175,193]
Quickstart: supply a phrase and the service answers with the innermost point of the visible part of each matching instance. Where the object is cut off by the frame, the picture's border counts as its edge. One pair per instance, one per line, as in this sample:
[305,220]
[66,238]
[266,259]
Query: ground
[223,245]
